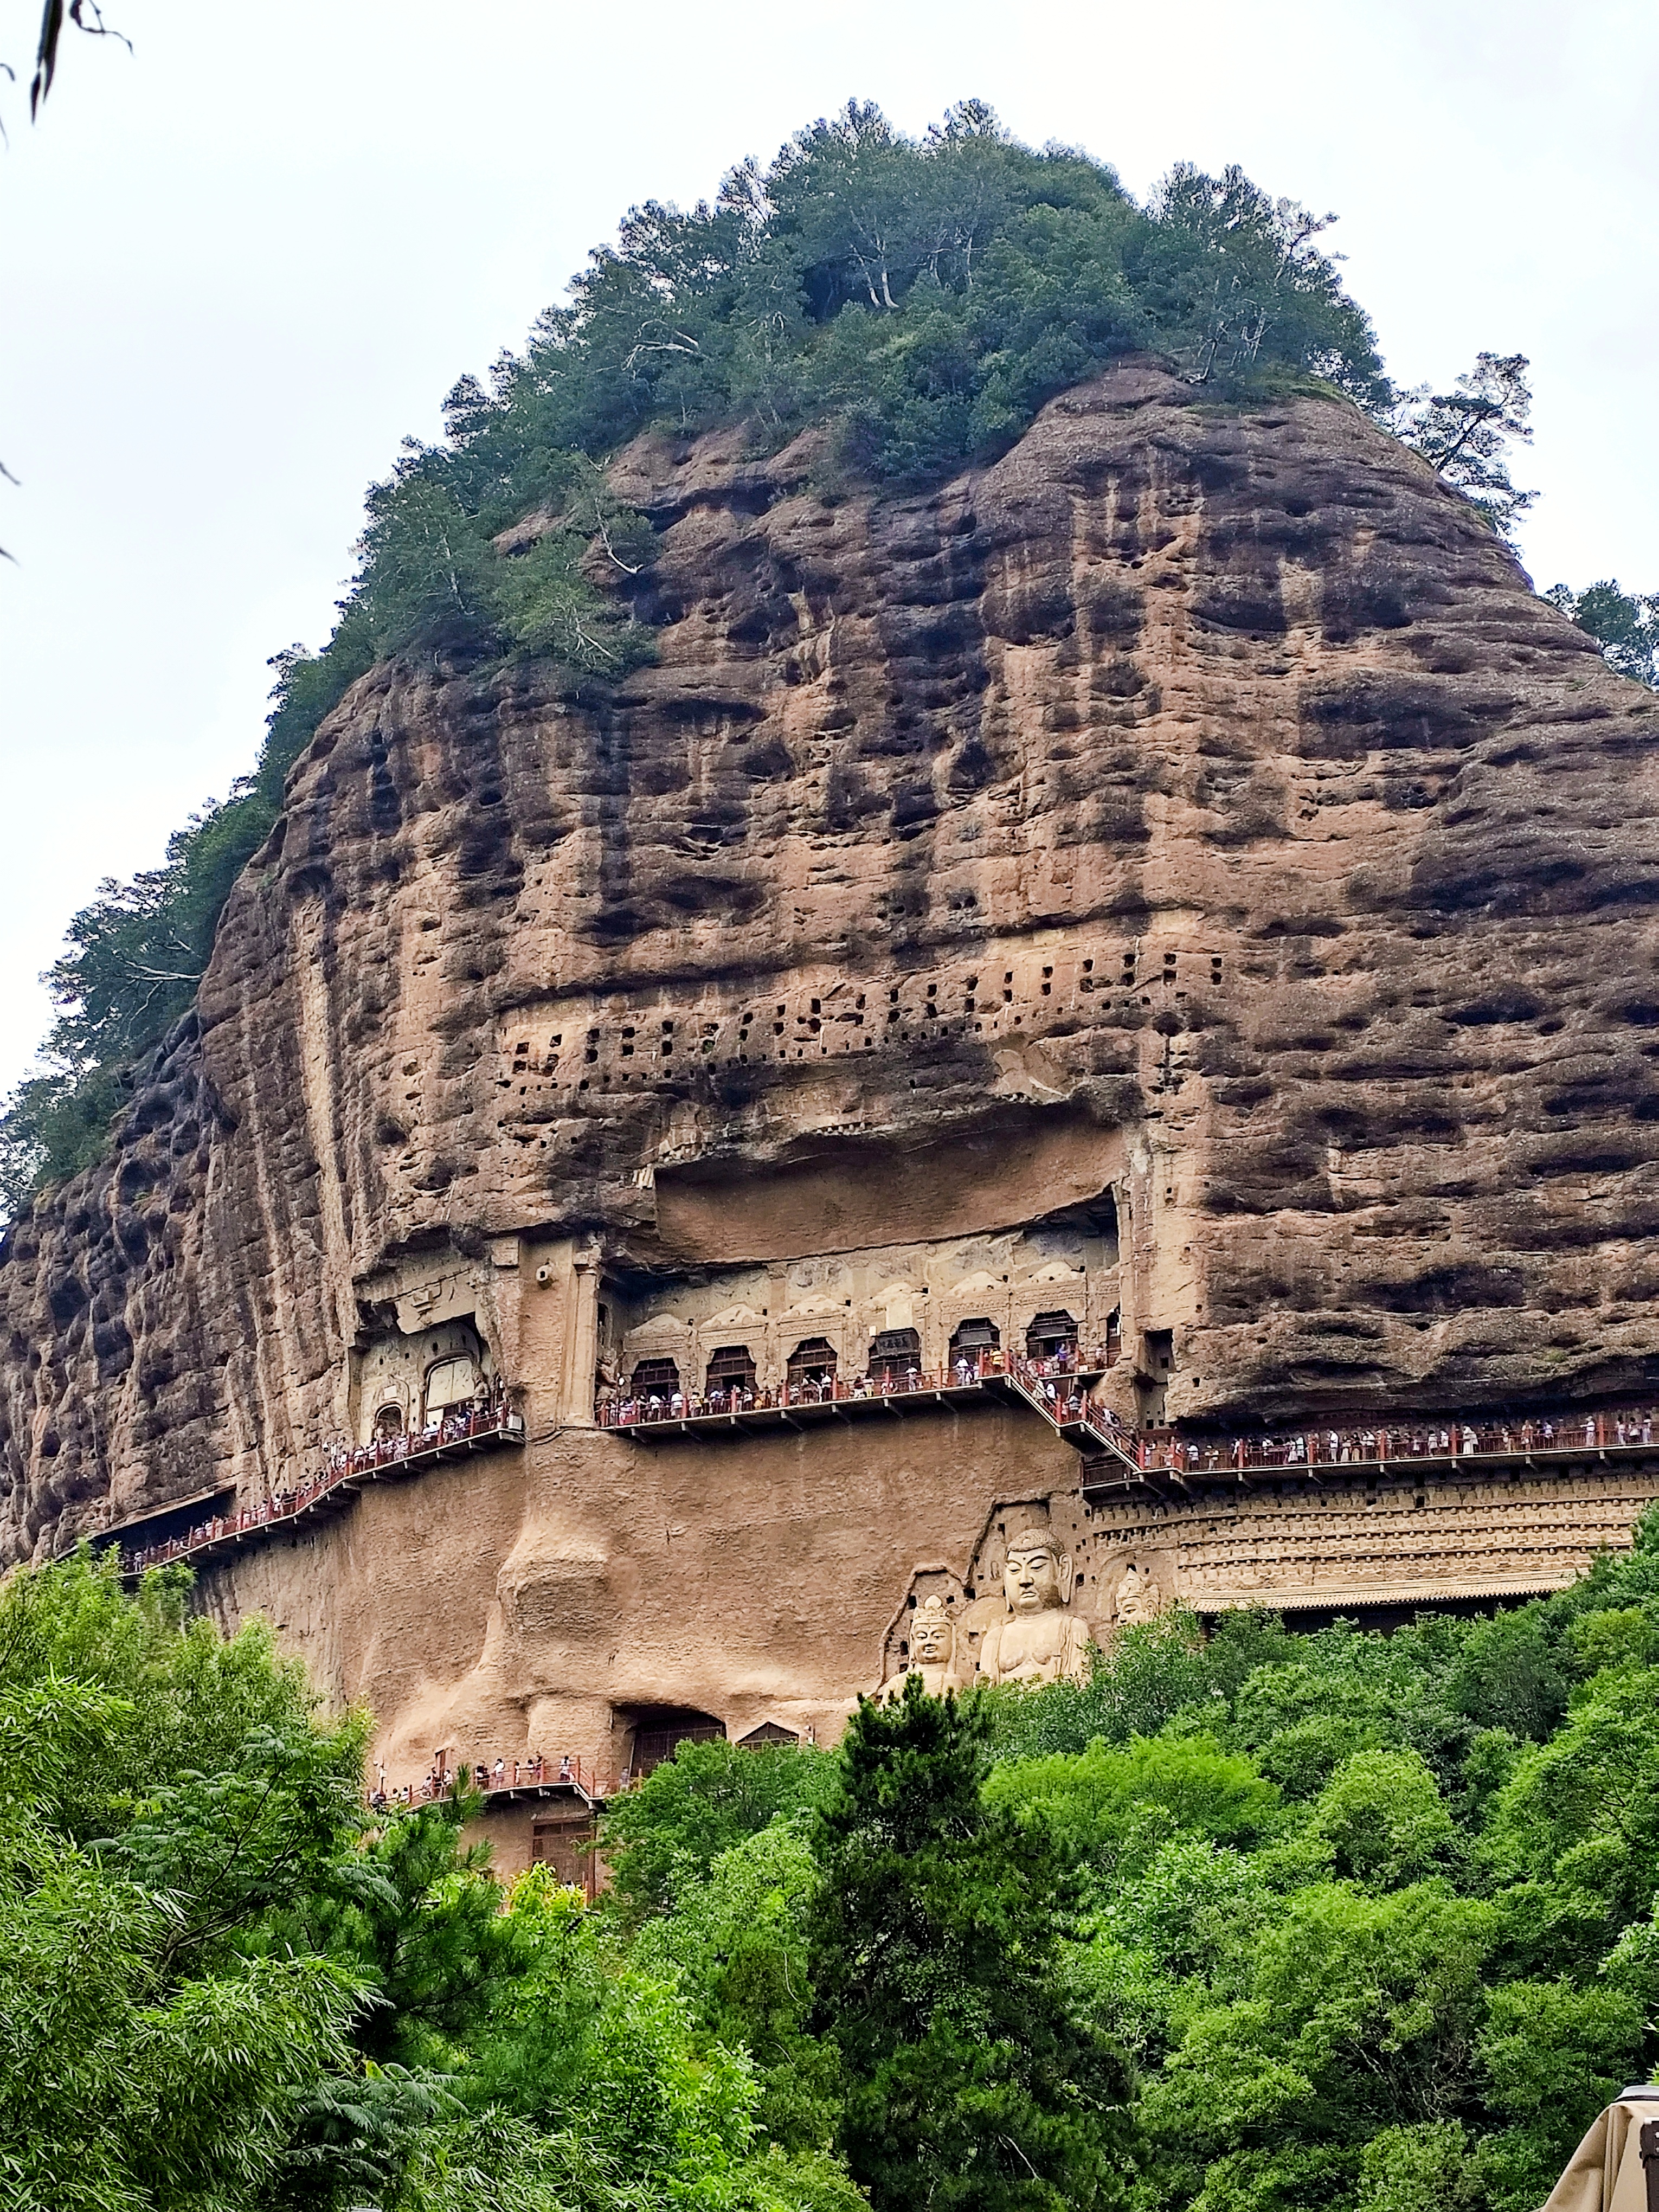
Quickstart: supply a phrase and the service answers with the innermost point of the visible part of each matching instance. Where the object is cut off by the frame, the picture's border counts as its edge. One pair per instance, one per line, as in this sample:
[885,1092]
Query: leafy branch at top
[1465,433]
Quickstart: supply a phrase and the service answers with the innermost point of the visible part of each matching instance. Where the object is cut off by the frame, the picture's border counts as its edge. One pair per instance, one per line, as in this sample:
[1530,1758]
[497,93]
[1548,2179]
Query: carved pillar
[581,1338]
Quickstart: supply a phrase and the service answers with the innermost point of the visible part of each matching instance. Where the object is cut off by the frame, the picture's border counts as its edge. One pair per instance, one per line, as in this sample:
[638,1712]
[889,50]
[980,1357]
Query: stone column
[581,1338]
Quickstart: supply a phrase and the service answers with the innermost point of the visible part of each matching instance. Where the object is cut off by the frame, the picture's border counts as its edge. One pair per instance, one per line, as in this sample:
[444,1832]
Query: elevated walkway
[1161,1464]
[1116,1463]
[810,1408]
[340,1483]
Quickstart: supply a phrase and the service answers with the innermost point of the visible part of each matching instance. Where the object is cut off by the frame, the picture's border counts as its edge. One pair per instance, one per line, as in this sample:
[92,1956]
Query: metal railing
[344,1466]
[1527,1435]
[500,1778]
[619,1411]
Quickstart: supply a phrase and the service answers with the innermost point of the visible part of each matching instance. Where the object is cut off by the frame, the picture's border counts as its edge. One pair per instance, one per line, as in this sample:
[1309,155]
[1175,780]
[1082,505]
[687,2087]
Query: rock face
[1178,876]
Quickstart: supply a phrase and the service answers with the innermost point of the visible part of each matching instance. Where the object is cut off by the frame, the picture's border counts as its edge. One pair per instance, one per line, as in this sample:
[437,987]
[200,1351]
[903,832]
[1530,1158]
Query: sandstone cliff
[1196,806]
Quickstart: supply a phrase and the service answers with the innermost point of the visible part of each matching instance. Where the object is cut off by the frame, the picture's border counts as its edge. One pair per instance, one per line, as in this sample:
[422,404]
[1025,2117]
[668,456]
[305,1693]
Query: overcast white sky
[237,264]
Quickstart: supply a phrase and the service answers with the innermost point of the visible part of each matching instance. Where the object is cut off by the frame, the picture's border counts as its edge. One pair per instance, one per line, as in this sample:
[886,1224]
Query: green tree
[1384,1820]
[1465,433]
[737,1937]
[697,1804]
[1112,1809]
[968,2080]
[1352,2014]
[1625,625]
[162,1791]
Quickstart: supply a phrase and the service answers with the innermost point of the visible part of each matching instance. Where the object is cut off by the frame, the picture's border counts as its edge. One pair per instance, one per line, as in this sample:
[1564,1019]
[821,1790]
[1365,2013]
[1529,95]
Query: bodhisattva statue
[1138,1597]
[933,1642]
[1038,1639]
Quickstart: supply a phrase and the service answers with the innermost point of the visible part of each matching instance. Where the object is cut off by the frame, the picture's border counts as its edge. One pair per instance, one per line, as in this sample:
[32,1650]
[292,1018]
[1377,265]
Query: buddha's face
[930,1639]
[1031,1580]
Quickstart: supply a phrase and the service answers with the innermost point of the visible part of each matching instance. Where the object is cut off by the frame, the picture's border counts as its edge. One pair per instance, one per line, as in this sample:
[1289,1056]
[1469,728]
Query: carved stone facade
[1368,1548]
[1402,1542]
[1179,871]
[914,1304]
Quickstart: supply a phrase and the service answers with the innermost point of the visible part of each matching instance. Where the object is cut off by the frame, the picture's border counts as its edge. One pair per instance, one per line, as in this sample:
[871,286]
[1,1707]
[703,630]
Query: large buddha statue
[1039,1638]
[933,1654]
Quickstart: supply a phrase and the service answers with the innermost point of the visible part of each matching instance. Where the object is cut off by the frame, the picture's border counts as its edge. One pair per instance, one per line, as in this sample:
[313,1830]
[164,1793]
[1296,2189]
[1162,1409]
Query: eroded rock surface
[1195,807]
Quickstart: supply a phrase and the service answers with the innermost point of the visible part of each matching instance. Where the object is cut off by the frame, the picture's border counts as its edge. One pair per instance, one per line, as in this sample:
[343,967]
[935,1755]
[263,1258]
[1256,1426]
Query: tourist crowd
[488,1417]
[1508,1437]
[442,1780]
[342,1461]
[719,1400]
[1057,1386]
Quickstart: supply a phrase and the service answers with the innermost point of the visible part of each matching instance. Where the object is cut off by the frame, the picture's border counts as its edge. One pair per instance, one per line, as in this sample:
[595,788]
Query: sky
[242,261]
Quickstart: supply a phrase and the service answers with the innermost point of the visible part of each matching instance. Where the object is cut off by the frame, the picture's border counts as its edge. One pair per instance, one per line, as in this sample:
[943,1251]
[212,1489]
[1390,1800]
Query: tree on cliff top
[1465,434]
[919,299]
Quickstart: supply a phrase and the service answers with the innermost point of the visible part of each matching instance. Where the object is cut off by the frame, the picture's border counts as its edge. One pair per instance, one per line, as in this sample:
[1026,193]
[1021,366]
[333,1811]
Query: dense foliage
[916,300]
[968,2080]
[1286,1921]
[1366,1922]
[1625,625]
[223,1987]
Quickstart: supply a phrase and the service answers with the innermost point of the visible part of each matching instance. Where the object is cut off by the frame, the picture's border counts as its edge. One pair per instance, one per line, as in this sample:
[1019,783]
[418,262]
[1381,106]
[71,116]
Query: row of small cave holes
[810,1023]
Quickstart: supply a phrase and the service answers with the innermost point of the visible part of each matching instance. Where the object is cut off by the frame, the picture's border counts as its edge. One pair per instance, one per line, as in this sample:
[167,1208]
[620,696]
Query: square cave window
[813,1364]
[729,1368]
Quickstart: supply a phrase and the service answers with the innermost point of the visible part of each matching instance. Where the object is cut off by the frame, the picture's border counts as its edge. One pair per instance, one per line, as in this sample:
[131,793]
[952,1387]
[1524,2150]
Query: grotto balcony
[347,1468]
[1119,1463]
[1058,1387]
[570,1781]
[1163,1464]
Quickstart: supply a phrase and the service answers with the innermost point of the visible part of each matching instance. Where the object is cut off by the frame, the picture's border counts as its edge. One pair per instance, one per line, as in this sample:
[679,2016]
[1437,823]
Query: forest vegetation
[1280,1921]
[921,298]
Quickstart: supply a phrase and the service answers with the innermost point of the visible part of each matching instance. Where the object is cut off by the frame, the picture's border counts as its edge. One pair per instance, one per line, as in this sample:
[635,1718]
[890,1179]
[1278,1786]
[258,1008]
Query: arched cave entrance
[970,1338]
[1050,1335]
[658,1731]
[729,1368]
[894,1354]
[452,1387]
[812,1361]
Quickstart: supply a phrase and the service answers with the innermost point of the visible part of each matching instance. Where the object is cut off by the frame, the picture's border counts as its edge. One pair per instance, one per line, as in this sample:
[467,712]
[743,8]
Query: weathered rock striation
[1179,872]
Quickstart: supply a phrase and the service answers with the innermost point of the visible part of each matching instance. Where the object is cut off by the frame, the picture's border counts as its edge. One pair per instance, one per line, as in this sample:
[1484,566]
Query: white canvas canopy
[1605,2173]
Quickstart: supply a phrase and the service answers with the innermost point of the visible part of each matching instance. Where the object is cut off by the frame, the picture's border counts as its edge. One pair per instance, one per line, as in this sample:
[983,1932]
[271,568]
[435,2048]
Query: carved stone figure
[1137,1596]
[933,1650]
[1038,1639]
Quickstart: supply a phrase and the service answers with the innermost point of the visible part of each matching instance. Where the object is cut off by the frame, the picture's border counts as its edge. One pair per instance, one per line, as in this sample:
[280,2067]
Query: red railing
[343,1466]
[1517,1437]
[987,1366]
[502,1776]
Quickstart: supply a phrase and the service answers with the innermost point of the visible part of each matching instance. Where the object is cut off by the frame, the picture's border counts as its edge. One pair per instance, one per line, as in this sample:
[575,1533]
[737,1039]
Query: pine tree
[968,2082]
